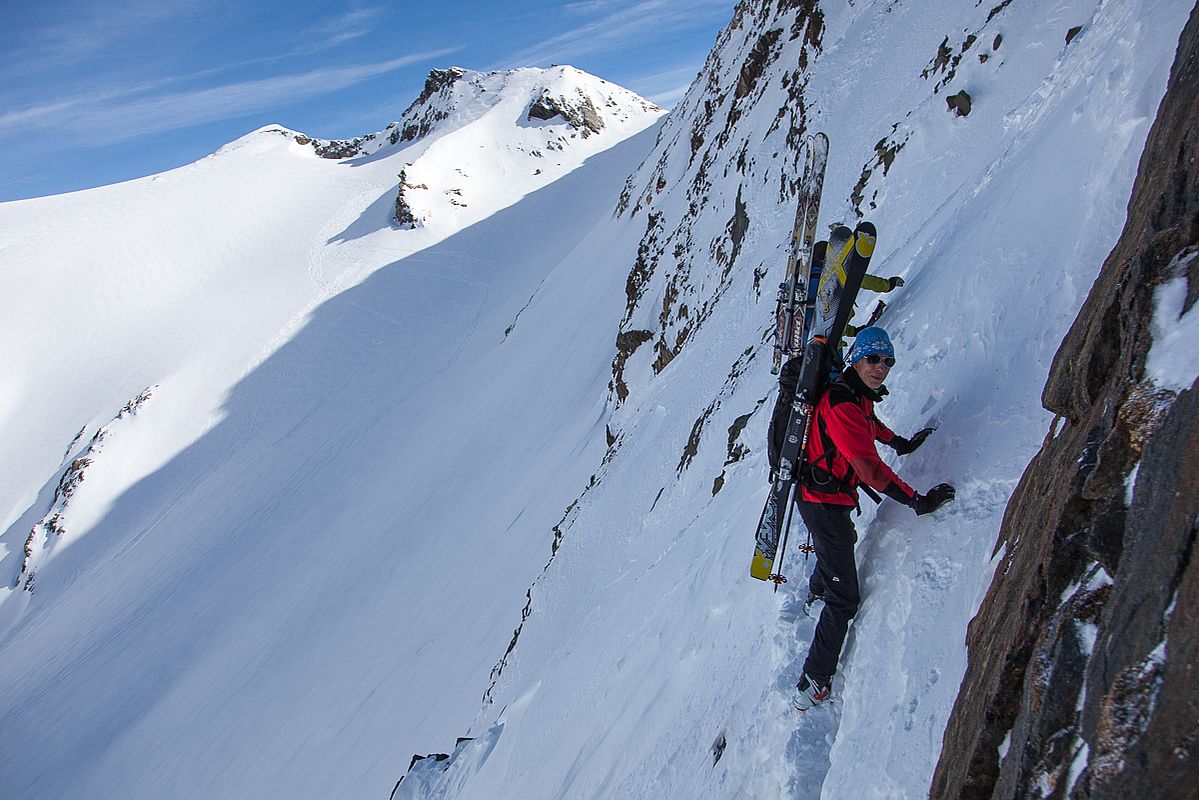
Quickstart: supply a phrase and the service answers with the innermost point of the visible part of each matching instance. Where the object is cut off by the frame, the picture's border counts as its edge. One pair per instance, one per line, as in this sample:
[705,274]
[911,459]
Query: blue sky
[98,91]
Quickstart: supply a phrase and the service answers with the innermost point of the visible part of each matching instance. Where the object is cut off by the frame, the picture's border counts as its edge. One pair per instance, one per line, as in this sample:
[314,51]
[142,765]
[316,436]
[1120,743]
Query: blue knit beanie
[871,341]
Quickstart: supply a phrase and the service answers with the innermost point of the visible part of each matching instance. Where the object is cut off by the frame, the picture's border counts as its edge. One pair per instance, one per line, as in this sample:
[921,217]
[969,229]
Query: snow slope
[186,281]
[314,580]
[650,666]
[282,556]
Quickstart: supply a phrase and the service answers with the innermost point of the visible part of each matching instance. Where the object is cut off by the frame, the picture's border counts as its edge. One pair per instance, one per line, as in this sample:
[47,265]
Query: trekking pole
[779,577]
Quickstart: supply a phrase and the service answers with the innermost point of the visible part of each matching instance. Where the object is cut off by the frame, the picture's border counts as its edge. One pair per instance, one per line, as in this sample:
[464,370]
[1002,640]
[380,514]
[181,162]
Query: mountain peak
[437,80]
[455,96]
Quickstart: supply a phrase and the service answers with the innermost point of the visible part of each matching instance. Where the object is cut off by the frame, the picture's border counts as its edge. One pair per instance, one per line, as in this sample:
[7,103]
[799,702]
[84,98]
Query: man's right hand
[936,497]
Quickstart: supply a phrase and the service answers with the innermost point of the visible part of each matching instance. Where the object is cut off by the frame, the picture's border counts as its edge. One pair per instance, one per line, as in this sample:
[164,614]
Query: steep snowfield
[184,282]
[288,587]
[277,568]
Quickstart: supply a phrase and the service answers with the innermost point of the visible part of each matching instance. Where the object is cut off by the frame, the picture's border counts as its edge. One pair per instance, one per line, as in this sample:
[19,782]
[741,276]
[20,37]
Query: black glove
[895,281]
[936,497]
[904,446]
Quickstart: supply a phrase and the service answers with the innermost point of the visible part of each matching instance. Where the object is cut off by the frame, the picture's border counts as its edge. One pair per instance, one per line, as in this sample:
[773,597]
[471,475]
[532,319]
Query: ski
[790,277]
[819,254]
[832,279]
[843,293]
[789,319]
[847,258]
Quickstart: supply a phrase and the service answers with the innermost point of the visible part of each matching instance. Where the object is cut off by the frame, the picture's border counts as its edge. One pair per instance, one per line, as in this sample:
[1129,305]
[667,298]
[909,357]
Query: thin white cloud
[347,27]
[59,110]
[656,81]
[104,25]
[617,29]
[104,121]
[665,87]
[56,112]
[591,6]
[24,179]
[669,98]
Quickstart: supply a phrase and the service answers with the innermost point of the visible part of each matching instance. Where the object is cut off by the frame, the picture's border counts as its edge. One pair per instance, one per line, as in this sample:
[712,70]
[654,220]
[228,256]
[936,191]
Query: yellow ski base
[761,566]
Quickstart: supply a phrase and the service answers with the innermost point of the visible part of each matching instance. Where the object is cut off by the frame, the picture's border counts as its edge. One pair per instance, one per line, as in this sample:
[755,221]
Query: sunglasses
[877,359]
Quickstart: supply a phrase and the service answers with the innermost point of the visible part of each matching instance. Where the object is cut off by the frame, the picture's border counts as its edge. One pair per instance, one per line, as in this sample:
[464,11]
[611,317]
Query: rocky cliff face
[1083,677]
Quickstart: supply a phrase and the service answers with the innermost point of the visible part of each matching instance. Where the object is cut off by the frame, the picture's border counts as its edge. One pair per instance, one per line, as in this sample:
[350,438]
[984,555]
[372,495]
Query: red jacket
[841,445]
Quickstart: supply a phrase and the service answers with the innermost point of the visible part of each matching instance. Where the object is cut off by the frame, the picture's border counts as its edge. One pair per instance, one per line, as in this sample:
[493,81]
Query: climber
[840,456]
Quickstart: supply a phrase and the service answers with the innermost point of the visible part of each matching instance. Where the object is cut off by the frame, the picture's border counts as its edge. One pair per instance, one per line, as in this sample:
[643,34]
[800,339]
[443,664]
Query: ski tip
[864,244]
[761,567]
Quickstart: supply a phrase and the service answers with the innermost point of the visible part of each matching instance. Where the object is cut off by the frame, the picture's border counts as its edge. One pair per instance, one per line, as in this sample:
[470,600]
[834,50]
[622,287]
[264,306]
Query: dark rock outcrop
[334,148]
[436,82]
[959,103]
[44,535]
[1083,674]
[627,343]
[578,112]
[339,148]
[422,116]
[762,56]
[419,120]
[403,211]
[884,156]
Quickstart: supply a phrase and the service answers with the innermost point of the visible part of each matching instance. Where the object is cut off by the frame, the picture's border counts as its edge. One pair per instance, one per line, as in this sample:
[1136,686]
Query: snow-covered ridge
[487,138]
[135,263]
[456,96]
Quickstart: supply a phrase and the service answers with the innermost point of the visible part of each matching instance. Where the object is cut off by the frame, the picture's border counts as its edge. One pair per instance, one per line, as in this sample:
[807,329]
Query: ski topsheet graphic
[846,259]
[794,290]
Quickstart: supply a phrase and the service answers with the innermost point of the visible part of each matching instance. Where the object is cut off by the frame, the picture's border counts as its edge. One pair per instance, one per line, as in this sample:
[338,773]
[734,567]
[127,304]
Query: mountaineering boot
[810,692]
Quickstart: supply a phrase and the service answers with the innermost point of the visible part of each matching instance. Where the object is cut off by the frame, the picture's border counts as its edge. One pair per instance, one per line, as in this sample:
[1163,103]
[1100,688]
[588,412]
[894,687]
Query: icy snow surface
[304,554]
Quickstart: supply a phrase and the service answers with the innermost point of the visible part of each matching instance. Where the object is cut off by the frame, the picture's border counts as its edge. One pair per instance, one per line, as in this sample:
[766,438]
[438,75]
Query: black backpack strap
[821,479]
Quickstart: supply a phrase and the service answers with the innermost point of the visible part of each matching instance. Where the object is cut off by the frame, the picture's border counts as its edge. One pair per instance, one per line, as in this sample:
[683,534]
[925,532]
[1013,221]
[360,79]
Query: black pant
[835,577]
